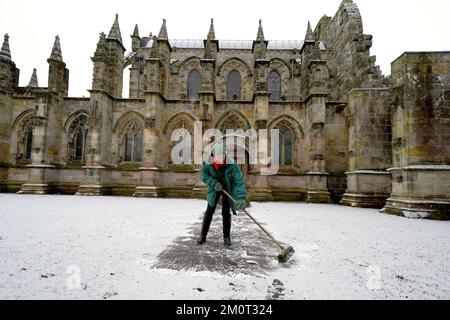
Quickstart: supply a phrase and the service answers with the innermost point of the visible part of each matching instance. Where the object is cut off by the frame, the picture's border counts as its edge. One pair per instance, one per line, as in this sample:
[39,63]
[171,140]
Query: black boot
[227,242]
[226,219]
[201,240]
[205,226]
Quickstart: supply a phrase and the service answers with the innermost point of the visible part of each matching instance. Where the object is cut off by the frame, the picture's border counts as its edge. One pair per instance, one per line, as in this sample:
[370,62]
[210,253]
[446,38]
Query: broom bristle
[286,255]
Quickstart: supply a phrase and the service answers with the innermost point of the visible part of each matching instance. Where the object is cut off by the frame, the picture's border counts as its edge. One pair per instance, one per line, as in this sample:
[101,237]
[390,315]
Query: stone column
[200,190]
[204,113]
[6,125]
[97,178]
[317,175]
[149,172]
[369,123]
[39,173]
[261,189]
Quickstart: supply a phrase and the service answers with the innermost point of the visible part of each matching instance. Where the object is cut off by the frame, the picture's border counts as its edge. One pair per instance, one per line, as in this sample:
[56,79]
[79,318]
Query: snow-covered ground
[68,247]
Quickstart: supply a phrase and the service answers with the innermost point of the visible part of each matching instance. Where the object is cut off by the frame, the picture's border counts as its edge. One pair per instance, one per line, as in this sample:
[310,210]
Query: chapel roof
[232,44]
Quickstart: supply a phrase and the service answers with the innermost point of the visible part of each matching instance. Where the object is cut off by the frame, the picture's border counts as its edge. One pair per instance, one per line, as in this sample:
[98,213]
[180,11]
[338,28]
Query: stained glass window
[128,146]
[274,85]
[79,144]
[288,150]
[28,143]
[194,83]
[286,146]
[133,143]
[234,86]
[138,148]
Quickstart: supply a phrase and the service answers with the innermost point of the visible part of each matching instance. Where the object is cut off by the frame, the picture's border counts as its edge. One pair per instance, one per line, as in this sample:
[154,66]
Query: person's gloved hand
[218,187]
[240,205]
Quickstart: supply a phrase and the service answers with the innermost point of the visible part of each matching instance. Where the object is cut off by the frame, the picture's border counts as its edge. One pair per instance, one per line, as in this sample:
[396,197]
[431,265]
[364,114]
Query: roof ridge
[233,44]
[198,39]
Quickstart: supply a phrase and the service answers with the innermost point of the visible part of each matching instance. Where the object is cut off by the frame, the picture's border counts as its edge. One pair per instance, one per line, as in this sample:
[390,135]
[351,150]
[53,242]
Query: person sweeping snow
[220,172]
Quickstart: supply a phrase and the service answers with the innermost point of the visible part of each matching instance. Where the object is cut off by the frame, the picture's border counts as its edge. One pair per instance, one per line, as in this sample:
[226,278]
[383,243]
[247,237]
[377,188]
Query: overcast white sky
[397,26]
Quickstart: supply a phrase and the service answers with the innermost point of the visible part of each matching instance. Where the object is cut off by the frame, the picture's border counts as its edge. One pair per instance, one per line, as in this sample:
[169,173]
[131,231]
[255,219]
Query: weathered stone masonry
[349,134]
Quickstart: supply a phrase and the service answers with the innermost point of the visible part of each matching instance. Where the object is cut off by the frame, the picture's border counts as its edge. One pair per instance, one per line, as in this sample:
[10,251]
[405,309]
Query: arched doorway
[235,123]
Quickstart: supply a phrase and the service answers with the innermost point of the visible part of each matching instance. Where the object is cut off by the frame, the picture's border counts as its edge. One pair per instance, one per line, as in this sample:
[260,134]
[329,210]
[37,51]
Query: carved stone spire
[154,51]
[114,33]
[5,52]
[101,45]
[136,31]
[163,32]
[135,39]
[259,47]
[260,35]
[211,33]
[309,34]
[33,81]
[56,50]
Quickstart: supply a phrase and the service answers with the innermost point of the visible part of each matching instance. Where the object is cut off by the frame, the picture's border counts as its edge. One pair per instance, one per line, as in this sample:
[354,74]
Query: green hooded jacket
[234,182]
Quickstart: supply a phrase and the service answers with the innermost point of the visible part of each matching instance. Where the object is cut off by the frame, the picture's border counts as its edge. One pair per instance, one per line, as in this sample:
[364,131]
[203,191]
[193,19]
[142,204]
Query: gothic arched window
[286,146]
[193,85]
[133,141]
[182,139]
[23,128]
[236,147]
[234,86]
[80,141]
[274,84]
[28,142]
[77,138]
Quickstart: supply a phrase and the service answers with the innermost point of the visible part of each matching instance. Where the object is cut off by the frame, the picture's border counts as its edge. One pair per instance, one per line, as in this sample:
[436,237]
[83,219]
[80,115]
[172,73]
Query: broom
[286,253]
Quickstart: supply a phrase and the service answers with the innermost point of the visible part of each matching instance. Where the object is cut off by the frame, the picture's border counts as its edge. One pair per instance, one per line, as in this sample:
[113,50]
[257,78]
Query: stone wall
[368,116]
[369,125]
[350,63]
[184,60]
[336,157]
[6,122]
[421,135]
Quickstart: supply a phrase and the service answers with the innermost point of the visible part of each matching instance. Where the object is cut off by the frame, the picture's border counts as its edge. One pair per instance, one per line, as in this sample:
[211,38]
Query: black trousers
[226,215]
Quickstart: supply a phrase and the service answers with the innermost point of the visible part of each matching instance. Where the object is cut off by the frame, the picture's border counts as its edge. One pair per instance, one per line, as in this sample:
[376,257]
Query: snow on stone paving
[67,247]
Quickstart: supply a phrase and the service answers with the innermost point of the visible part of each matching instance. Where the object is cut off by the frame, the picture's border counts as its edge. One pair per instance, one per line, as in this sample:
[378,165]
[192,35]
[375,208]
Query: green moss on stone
[180,168]
[129,166]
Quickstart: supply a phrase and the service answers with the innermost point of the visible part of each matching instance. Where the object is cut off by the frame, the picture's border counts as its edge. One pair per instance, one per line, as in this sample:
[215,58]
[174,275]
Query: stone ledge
[418,209]
[11,186]
[368,89]
[318,197]
[317,173]
[146,192]
[175,191]
[93,190]
[41,166]
[362,200]
[263,195]
[367,172]
[289,195]
[431,167]
[36,188]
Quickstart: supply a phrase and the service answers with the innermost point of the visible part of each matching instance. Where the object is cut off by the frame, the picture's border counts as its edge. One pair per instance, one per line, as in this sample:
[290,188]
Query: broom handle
[257,223]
